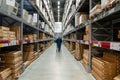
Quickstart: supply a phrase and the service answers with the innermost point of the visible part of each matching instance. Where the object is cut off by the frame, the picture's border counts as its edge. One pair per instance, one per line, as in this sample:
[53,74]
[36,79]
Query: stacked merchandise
[95,11]
[80,18]
[5,74]
[6,6]
[85,60]
[32,37]
[117,77]
[41,47]
[107,67]
[12,60]
[28,54]
[108,3]
[79,51]
[42,36]
[4,33]
[11,33]
[87,32]
[16,29]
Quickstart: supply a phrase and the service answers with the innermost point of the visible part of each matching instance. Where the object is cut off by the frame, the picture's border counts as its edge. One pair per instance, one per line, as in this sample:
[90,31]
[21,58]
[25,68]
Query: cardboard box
[30,18]
[28,48]
[12,54]
[4,73]
[117,77]
[77,18]
[83,17]
[4,28]
[16,29]
[26,63]
[9,77]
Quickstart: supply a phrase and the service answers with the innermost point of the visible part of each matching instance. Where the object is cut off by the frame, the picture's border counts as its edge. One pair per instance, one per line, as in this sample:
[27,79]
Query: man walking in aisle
[58,42]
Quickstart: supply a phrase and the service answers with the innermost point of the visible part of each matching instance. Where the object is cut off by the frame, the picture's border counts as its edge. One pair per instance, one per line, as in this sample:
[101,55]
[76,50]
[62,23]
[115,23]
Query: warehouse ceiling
[58,9]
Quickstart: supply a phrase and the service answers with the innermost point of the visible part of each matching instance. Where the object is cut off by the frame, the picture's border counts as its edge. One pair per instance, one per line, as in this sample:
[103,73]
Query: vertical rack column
[21,32]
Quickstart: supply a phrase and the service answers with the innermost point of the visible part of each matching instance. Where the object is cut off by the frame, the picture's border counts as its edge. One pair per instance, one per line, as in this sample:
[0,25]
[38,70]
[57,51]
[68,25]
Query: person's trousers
[59,47]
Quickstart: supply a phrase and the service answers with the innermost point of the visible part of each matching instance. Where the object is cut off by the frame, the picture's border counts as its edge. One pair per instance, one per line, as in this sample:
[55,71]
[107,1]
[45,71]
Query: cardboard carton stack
[12,60]
[117,77]
[107,67]
[12,35]
[5,74]
[16,29]
[95,11]
[42,36]
[79,51]
[85,60]
[4,33]
[87,32]
[80,18]
[28,52]
[30,37]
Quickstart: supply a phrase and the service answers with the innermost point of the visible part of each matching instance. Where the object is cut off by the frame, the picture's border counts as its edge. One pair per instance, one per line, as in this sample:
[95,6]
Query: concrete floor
[56,66]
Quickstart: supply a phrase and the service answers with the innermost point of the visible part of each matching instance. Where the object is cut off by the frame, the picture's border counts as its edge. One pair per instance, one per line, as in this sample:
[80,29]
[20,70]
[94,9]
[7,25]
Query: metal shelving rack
[7,19]
[102,26]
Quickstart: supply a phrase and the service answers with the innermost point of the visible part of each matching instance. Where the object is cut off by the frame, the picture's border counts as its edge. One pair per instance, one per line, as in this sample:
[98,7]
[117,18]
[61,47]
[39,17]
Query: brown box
[86,37]
[28,48]
[117,77]
[9,77]
[26,63]
[12,54]
[4,28]
[4,73]
[16,29]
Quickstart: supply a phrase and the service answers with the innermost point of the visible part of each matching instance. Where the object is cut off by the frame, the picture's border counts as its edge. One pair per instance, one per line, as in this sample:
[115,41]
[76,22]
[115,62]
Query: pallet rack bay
[95,40]
[22,29]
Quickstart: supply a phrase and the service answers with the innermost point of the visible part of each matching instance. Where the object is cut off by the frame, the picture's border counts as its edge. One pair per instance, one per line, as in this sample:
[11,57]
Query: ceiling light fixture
[58,2]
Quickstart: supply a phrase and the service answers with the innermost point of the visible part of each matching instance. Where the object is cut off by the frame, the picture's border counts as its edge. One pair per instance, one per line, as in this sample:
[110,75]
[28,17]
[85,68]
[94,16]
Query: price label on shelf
[115,46]
[0,45]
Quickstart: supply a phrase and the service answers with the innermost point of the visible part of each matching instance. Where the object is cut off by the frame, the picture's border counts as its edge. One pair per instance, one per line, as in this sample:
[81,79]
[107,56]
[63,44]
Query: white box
[35,18]
[10,2]
[30,17]
[10,8]
[43,25]
[40,7]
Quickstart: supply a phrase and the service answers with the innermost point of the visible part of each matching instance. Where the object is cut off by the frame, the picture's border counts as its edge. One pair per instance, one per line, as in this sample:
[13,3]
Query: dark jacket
[58,41]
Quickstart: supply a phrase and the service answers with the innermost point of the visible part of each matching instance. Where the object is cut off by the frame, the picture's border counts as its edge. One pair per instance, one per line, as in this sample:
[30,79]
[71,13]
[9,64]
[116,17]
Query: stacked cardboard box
[103,69]
[12,35]
[95,11]
[42,36]
[85,60]
[87,32]
[4,33]
[26,63]
[107,67]
[117,77]
[16,29]
[30,37]
[79,51]
[12,60]
[5,74]
[28,52]
[25,15]
[80,18]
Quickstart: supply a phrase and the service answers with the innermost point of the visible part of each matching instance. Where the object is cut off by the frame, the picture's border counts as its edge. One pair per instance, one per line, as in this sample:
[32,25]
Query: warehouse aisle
[55,66]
